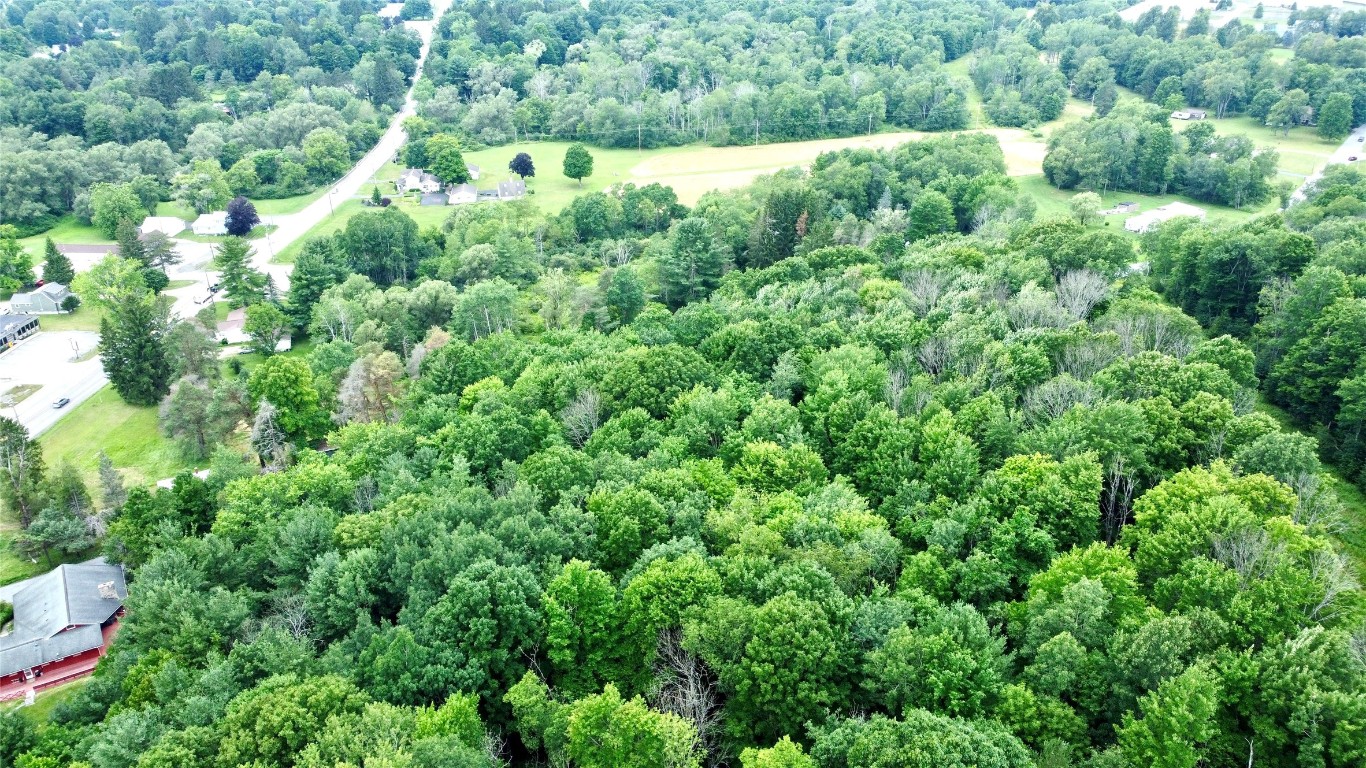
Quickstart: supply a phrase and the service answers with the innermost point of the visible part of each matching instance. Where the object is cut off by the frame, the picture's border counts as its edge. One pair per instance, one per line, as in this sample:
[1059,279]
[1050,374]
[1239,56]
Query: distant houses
[1189,114]
[1148,219]
[432,192]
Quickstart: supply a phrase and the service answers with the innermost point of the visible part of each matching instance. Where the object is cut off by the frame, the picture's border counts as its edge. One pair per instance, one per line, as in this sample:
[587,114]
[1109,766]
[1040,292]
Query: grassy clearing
[83,319]
[127,433]
[68,231]
[257,233]
[1301,151]
[1054,202]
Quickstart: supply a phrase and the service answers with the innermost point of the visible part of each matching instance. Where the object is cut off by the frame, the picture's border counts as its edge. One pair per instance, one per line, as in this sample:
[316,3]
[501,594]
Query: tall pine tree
[133,348]
[241,282]
[56,266]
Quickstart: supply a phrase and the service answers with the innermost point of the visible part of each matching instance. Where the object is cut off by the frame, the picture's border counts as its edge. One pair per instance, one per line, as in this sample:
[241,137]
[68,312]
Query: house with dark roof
[511,190]
[60,619]
[16,328]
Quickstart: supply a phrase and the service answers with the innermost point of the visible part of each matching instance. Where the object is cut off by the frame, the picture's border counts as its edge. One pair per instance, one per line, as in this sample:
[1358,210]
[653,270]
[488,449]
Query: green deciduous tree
[111,204]
[445,159]
[1335,117]
[287,383]
[266,325]
[1177,724]
[578,163]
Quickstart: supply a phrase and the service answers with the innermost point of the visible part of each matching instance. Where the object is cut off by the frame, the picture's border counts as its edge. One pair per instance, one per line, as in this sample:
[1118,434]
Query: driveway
[45,359]
[1352,146]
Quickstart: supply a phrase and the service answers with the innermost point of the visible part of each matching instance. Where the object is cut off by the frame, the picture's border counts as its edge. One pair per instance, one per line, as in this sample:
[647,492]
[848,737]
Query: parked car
[1352,159]
[62,403]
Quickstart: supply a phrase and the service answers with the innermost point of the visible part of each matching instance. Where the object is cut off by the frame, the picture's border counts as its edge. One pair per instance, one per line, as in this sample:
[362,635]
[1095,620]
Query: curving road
[1353,146]
[292,227]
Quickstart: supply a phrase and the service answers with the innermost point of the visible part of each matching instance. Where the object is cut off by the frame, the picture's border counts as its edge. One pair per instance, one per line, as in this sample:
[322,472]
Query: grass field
[83,319]
[127,433]
[1301,151]
[1054,202]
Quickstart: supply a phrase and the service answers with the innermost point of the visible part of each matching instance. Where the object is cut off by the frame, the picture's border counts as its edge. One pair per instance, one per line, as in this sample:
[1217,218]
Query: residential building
[44,299]
[210,224]
[16,327]
[460,194]
[511,190]
[1148,219]
[60,619]
[417,179]
[169,226]
[473,170]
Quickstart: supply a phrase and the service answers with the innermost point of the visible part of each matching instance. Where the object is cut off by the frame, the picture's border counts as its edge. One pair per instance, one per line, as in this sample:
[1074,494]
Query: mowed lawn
[1054,202]
[1301,151]
[127,433]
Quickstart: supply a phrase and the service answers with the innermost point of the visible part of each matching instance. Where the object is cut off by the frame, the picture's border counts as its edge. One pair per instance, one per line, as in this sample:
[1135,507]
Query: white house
[169,226]
[1148,219]
[215,223]
[460,194]
[474,171]
[417,179]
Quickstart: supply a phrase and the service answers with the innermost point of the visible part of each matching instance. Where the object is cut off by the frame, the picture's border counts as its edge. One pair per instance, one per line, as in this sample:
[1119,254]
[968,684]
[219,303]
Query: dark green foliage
[133,349]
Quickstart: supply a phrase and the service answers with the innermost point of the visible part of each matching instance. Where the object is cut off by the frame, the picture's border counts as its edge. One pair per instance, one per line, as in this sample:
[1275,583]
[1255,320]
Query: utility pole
[870,123]
[756,133]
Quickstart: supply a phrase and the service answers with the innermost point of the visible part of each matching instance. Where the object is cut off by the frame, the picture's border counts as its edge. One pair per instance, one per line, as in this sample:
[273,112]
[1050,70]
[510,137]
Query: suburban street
[1352,146]
[44,359]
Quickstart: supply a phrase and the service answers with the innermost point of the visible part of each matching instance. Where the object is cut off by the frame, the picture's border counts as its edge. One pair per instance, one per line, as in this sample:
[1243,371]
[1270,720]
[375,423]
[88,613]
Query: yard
[1054,202]
[129,434]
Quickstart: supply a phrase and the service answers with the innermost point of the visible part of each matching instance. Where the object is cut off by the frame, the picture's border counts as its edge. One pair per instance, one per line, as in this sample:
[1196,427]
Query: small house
[13,329]
[473,171]
[511,190]
[169,226]
[45,299]
[416,179]
[62,621]
[1126,207]
[1197,114]
[211,224]
[461,194]
[1181,115]
[1146,221]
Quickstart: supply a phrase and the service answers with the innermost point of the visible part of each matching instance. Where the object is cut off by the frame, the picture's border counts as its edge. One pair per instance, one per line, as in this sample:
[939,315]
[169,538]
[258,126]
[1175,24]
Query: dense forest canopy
[262,99]
[865,464]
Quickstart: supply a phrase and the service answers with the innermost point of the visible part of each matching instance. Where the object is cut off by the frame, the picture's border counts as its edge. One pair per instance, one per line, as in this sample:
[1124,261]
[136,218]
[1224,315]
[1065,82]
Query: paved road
[292,227]
[45,359]
[1353,146]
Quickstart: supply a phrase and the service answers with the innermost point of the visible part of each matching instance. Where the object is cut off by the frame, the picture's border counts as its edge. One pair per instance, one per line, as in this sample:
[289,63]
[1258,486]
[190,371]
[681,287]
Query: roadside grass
[16,395]
[334,223]
[127,433]
[174,284]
